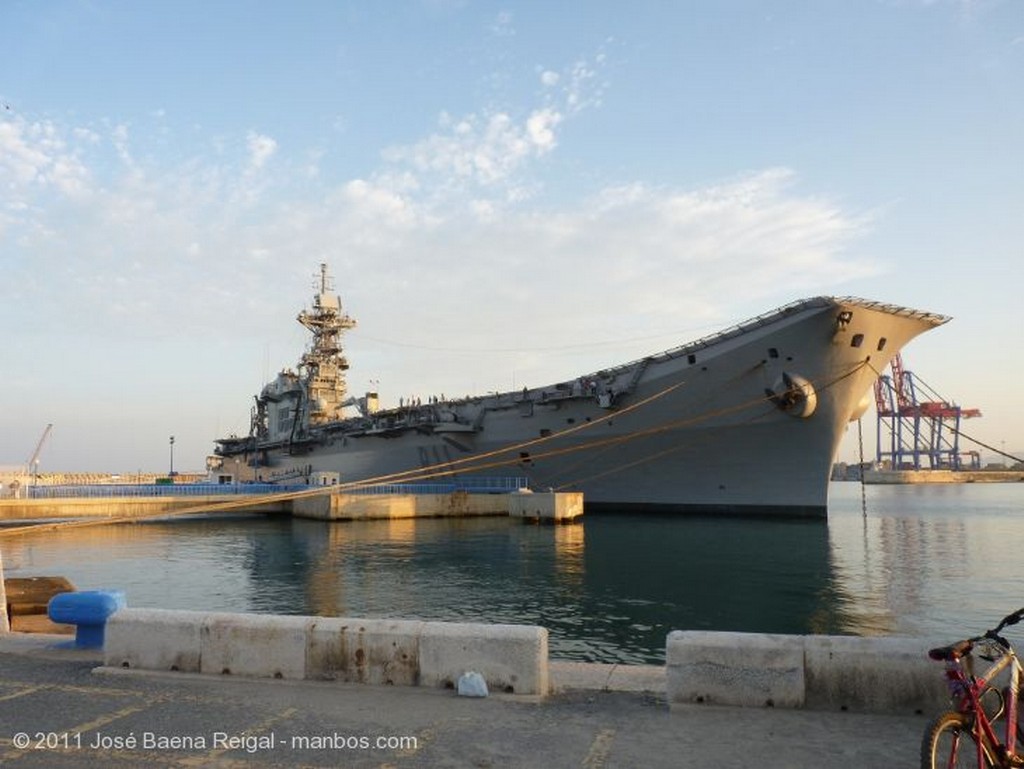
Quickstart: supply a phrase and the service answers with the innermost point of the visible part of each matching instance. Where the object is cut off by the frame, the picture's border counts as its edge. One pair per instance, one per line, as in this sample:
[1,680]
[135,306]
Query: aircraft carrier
[744,421]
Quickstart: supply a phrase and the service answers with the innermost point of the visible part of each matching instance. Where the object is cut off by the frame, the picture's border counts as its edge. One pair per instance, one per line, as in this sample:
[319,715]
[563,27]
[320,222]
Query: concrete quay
[127,507]
[899,477]
[59,709]
[554,507]
[316,504]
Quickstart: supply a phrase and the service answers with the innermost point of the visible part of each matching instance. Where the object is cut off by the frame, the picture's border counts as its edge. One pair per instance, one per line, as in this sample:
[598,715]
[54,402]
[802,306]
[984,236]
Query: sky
[507,194]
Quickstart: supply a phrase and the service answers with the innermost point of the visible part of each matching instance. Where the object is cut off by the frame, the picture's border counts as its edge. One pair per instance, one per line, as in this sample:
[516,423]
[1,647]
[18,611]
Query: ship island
[744,421]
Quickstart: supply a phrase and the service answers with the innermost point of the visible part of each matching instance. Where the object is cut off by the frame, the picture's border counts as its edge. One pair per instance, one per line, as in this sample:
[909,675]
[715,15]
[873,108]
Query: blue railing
[80,491]
[469,485]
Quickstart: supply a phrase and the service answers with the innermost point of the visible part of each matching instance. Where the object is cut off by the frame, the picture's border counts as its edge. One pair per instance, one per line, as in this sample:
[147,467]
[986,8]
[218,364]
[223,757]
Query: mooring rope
[984,445]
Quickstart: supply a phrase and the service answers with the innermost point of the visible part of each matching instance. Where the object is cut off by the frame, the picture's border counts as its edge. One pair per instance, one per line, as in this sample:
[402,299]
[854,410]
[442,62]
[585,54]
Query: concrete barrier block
[884,675]
[369,651]
[511,658]
[555,507]
[153,639]
[744,669]
[262,646]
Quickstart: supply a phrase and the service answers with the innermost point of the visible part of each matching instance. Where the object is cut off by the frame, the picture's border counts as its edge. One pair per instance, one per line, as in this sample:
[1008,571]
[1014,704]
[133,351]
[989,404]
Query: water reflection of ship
[338,585]
[750,575]
[328,583]
[619,581]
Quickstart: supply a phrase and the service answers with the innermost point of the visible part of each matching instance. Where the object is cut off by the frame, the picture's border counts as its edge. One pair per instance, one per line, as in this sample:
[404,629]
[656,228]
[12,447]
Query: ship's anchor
[793,394]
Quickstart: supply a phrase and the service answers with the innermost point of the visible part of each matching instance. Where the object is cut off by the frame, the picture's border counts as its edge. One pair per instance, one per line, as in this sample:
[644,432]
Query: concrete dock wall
[117,507]
[322,505]
[544,506]
[511,658]
[884,675]
[896,477]
[340,506]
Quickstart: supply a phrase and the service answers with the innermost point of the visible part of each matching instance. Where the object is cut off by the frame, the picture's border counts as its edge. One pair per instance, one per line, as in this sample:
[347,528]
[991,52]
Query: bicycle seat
[953,652]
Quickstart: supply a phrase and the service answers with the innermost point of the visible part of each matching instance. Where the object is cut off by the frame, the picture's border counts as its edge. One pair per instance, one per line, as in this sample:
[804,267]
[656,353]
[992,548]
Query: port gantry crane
[922,434]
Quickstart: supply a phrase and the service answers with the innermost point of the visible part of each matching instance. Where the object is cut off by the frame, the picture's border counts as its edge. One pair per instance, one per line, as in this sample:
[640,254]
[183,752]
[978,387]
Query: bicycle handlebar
[963,648]
[1010,619]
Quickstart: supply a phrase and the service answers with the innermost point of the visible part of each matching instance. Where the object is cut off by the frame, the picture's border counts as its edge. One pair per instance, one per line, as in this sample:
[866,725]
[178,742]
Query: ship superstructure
[747,420]
[296,402]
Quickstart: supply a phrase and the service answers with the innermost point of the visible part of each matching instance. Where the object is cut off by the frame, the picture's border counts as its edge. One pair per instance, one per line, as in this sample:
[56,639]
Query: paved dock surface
[57,711]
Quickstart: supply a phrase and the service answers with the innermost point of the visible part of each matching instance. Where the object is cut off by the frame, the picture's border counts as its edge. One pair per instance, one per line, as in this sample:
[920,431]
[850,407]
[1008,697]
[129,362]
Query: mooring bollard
[88,610]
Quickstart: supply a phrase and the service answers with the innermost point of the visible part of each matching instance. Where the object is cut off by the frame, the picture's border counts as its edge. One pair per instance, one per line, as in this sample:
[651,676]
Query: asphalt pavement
[59,708]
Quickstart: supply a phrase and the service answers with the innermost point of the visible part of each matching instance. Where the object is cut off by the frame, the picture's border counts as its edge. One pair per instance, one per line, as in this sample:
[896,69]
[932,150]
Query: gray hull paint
[689,430]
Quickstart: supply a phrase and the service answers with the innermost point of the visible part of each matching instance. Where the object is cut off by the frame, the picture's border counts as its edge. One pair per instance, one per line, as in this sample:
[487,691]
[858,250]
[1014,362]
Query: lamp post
[171,474]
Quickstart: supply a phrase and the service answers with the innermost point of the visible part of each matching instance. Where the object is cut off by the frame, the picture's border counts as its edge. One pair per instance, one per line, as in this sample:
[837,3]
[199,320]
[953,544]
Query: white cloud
[582,89]
[454,210]
[35,156]
[22,161]
[36,162]
[261,148]
[483,210]
[119,137]
[371,201]
[478,149]
[86,135]
[491,152]
[69,176]
[540,128]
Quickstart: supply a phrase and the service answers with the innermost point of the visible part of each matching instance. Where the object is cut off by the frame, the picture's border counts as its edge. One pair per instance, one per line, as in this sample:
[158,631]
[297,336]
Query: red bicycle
[969,735]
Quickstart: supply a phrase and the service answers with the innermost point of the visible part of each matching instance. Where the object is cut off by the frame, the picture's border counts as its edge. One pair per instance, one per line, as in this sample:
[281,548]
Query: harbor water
[937,561]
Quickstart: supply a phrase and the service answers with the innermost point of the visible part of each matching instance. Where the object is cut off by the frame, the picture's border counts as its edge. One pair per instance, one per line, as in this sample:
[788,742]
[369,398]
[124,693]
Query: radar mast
[322,367]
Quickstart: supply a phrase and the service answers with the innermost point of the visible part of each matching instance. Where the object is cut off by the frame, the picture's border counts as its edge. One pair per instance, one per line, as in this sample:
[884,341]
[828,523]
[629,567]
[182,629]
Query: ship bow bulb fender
[793,394]
[861,408]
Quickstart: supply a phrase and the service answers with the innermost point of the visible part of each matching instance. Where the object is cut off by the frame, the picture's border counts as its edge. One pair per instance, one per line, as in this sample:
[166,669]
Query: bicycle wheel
[948,744]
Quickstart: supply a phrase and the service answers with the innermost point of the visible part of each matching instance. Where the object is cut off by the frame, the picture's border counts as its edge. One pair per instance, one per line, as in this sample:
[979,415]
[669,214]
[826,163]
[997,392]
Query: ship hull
[747,421]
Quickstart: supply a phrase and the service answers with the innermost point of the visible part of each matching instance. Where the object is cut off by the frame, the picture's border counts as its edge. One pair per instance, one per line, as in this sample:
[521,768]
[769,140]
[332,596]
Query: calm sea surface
[942,561]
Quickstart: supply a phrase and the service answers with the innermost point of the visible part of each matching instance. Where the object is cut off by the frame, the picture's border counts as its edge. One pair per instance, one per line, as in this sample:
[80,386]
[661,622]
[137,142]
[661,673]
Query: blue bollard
[88,611]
